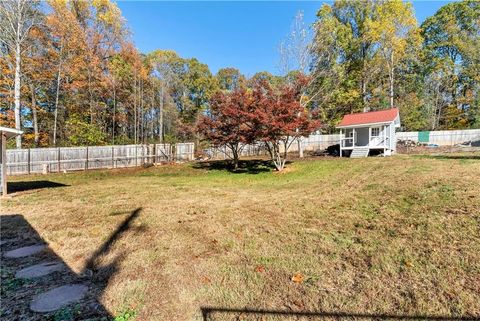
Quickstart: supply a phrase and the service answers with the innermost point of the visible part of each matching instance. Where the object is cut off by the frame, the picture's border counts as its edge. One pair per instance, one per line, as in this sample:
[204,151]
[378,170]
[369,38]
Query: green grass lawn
[398,235]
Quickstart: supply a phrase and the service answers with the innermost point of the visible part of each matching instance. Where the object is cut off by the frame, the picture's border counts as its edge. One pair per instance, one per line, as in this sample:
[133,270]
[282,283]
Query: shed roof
[371,117]
[10,132]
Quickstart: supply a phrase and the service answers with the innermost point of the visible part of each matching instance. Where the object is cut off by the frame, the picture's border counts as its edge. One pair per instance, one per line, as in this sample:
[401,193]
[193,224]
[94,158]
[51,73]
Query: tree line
[71,74]
[373,55]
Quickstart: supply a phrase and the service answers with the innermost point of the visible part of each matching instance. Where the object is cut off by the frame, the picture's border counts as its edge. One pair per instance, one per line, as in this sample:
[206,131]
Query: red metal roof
[379,116]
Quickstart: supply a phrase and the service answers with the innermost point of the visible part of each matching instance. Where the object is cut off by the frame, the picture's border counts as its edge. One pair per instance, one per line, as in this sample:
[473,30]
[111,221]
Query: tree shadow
[252,166]
[447,157]
[216,313]
[17,232]
[13,187]
[92,261]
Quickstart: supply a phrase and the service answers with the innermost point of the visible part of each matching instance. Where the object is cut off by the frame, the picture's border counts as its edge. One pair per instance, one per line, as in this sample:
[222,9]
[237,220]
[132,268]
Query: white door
[375,136]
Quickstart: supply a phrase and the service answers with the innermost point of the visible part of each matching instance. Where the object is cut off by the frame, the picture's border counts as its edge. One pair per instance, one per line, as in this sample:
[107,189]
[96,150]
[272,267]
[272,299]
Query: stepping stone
[57,298]
[38,270]
[24,251]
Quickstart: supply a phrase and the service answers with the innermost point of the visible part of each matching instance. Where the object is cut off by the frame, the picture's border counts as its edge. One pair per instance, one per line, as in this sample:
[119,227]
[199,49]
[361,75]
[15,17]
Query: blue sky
[244,35]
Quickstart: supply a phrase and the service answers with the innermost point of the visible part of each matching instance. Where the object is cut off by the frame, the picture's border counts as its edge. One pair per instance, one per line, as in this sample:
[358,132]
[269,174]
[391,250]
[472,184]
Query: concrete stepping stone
[57,298]
[38,270]
[24,251]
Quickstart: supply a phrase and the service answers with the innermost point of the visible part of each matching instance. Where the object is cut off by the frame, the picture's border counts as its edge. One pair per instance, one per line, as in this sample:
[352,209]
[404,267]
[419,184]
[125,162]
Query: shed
[367,131]
[5,133]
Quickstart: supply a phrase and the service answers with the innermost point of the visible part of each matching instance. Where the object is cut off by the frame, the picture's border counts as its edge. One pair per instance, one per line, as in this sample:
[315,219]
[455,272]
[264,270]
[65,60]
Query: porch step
[359,152]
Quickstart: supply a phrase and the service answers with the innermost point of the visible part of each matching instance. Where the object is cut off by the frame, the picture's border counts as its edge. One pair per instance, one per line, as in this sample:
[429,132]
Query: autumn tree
[261,76]
[227,123]
[167,67]
[295,59]
[230,79]
[68,47]
[36,76]
[344,68]
[17,18]
[392,29]
[278,119]
[452,65]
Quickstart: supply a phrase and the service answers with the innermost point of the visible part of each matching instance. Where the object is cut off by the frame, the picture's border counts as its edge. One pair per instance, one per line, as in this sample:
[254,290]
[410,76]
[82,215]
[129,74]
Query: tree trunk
[300,146]
[151,118]
[392,77]
[56,98]
[277,160]
[142,114]
[286,145]
[160,118]
[135,109]
[34,116]
[364,92]
[235,156]
[90,95]
[17,88]
[114,111]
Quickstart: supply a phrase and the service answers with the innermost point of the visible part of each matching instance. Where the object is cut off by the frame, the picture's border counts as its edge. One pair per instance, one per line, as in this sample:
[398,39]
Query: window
[375,131]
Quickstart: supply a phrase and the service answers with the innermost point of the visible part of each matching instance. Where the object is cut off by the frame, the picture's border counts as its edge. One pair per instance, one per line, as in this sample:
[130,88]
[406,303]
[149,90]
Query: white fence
[225,153]
[38,160]
[184,151]
[311,143]
[317,142]
[320,142]
[443,137]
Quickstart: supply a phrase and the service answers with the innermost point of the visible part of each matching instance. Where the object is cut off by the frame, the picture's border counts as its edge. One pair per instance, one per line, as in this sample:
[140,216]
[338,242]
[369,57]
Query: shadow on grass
[476,157]
[13,187]
[253,166]
[116,234]
[99,269]
[211,313]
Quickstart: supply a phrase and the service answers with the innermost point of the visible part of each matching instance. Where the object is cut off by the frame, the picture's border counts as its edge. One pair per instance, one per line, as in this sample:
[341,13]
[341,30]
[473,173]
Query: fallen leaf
[299,304]
[260,269]
[298,278]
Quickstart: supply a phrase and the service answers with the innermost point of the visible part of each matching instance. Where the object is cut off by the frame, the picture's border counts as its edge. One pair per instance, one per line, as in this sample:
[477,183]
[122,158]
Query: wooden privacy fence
[39,160]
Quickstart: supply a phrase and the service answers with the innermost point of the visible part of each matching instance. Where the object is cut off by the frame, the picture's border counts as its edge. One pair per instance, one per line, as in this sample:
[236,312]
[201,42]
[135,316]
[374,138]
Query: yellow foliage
[393,27]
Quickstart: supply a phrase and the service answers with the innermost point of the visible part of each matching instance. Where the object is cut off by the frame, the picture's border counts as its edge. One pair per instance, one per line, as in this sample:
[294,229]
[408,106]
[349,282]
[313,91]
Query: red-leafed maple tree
[278,118]
[227,122]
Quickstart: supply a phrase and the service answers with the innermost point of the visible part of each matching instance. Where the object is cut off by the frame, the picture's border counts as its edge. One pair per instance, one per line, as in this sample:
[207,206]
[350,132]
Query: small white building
[368,131]
[5,133]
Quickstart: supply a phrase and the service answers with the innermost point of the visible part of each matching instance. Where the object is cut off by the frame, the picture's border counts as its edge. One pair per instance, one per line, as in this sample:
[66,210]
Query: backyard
[373,237]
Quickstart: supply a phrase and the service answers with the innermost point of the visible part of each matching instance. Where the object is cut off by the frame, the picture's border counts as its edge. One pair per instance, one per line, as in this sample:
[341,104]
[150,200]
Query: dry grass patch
[397,235]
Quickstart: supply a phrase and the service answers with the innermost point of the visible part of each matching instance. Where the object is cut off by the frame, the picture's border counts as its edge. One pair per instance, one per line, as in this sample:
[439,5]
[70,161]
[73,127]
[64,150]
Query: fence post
[28,161]
[136,156]
[58,161]
[113,156]
[86,159]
